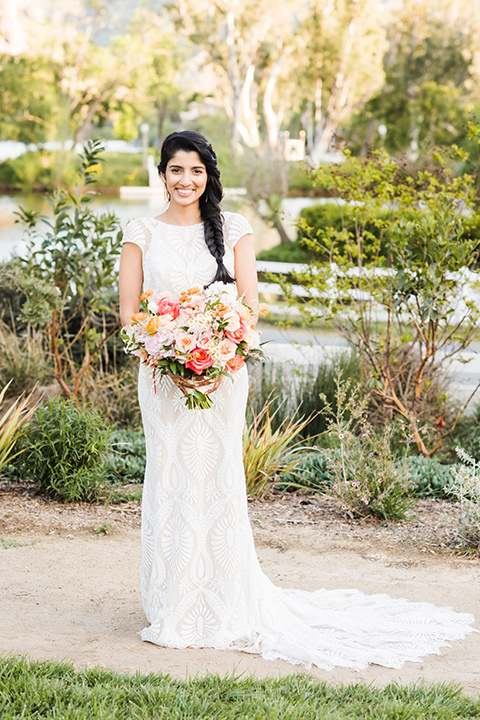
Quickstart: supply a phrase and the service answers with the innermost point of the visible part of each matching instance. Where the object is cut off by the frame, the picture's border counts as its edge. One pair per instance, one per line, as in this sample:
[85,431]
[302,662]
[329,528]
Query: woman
[202,585]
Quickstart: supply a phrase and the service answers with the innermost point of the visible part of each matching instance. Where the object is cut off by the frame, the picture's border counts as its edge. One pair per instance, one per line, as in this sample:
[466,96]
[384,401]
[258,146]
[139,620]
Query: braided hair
[209,202]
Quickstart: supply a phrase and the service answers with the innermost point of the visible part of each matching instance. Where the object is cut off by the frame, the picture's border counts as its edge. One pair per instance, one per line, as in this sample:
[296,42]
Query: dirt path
[71,592]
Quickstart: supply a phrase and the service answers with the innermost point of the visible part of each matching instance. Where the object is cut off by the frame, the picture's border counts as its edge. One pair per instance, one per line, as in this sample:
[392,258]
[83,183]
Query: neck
[183,215]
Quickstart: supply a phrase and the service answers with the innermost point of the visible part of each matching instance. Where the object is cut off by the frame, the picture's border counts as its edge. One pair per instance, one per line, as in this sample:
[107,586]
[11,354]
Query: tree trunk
[272,118]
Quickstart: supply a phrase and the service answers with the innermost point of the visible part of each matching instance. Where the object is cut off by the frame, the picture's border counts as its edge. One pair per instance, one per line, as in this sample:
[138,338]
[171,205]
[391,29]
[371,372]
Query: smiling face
[185,178]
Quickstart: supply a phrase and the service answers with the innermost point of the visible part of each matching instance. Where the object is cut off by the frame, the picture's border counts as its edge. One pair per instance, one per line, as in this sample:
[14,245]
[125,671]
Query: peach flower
[184,342]
[236,363]
[225,350]
[139,317]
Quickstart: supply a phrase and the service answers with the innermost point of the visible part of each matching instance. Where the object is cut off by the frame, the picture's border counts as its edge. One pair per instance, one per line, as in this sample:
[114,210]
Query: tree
[402,295]
[430,77]
[343,47]
[248,44]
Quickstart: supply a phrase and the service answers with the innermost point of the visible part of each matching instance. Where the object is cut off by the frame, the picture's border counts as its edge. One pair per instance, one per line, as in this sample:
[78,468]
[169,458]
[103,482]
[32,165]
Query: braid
[213,229]
[210,200]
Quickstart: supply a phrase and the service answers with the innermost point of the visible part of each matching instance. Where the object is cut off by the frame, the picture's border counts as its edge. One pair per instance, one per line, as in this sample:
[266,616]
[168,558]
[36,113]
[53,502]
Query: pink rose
[236,363]
[201,360]
[238,335]
[166,305]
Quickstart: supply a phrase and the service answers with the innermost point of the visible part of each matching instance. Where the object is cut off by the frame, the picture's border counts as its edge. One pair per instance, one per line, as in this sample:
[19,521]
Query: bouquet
[194,339]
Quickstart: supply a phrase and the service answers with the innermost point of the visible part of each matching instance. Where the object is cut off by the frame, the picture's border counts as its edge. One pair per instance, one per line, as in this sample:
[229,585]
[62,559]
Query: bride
[202,585]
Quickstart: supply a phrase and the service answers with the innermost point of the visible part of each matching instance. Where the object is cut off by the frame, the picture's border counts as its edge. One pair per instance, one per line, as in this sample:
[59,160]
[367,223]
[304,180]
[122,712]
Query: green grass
[56,690]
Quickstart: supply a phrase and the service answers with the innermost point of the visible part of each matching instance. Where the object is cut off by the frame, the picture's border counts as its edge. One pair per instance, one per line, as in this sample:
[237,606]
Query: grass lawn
[56,690]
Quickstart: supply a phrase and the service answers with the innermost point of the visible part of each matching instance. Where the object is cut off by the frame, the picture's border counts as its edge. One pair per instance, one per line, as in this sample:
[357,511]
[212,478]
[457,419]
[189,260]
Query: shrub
[397,282]
[114,394]
[466,489]
[65,450]
[429,477]
[292,252]
[23,362]
[126,462]
[311,472]
[269,453]
[11,421]
[301,389]
[466,435]
[367,477]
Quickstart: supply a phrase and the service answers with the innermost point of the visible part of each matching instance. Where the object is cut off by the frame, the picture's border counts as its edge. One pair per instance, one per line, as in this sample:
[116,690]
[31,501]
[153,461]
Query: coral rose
[165,306]
[236,363]
[201,360]
[239,334]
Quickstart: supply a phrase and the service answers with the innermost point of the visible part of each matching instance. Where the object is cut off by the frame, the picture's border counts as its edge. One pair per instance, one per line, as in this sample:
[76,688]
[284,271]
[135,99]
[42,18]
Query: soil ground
[70,582]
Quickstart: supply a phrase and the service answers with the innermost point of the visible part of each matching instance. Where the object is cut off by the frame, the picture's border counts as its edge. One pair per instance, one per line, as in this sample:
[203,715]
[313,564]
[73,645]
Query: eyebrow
[194,167]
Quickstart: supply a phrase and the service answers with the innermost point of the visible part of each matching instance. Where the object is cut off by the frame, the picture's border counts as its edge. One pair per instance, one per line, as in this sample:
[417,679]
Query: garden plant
[65,285]
[400,281]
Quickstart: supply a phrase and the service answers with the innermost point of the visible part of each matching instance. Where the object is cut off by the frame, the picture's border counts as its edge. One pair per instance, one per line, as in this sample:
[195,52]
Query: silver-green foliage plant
[466,489]
[398,278]
[65,450]
[366,476]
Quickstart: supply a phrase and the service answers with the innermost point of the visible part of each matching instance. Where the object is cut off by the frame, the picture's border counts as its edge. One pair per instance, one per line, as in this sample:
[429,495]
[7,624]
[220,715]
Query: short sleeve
[236,227]
[136,233]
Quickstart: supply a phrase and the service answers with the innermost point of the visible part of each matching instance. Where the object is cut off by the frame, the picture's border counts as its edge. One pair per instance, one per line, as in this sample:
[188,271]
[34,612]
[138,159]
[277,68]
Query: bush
[292,252]
[267,452]
[114,394]
[311,472]
[126,463]
[367,477]
[23,361]
[466,435]
[65,450]
[429,477]
[466,489]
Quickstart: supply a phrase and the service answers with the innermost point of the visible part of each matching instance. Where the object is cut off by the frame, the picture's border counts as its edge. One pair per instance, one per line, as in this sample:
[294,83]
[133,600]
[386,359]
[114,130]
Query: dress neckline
[162,222]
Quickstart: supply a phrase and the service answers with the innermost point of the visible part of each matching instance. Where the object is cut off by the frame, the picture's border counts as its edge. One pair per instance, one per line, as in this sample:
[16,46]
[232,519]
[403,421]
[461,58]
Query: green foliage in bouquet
[65,450]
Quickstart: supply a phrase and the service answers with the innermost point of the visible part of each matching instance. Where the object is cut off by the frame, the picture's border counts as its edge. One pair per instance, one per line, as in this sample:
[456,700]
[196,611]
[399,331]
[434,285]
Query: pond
[11,233]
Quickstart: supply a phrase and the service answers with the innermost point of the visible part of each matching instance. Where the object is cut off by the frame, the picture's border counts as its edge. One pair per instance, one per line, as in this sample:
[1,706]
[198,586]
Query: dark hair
[209,202]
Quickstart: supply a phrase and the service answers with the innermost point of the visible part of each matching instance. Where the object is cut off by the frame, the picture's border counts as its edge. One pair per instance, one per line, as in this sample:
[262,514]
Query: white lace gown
[202,585]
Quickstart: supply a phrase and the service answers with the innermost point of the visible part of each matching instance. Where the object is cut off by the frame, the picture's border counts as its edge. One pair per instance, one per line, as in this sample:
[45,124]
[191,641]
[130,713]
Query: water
[126,209]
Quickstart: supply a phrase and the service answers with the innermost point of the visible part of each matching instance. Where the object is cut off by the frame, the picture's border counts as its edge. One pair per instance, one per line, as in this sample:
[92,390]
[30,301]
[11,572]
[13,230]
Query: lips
[184,193]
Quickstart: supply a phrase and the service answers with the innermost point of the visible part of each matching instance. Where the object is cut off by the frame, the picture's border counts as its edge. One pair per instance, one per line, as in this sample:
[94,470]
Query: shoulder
[139,232]
[236,226]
